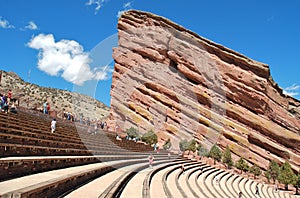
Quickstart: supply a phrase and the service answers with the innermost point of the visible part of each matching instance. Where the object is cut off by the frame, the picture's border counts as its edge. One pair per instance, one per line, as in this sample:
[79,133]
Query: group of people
[6,103]
[46,108]
[135,139]
[69,116]
[97,125]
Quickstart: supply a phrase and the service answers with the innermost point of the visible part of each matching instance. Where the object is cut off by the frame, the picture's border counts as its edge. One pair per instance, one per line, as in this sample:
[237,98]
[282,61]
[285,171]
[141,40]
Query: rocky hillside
[183,86]
[32,96]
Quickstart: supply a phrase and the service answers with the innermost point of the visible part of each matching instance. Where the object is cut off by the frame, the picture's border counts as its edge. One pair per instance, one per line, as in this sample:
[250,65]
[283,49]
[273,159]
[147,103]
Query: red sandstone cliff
[181,85]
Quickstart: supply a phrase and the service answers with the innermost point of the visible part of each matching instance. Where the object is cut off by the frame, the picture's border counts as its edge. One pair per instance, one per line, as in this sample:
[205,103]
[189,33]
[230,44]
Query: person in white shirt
[53,123]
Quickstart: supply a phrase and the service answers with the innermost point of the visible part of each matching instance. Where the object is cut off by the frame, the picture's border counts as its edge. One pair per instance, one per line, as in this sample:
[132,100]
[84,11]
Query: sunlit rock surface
[182,86]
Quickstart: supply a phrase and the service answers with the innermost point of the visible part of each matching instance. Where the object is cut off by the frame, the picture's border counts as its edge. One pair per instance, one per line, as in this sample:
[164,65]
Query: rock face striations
[182,86]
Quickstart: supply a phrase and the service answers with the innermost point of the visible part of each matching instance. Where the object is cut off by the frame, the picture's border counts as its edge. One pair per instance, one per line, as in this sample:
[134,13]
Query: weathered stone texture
[181,85]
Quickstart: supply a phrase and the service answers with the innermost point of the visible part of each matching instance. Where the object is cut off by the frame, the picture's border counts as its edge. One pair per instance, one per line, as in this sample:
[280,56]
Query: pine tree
[183,145]
[286,175]
[188,145]
[150,137]
[273,170]
[267,175]
[242,165]
[192,145]
[215,153]
[132,132]
[227,157]
[255,170]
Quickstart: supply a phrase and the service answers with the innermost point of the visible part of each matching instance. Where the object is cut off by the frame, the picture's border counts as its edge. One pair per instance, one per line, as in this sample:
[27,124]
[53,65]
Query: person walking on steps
[45,108]
[240,195]
[6,107]
[256,190]
[151,160]
[217,180]
[53,125]
[182,169]
[275,188]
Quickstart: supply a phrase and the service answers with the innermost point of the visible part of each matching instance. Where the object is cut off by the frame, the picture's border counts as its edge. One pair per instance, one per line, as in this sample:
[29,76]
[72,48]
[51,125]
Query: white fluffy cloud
[292,90]
[97,3]
[126,6]
[31,26]
[5,24]
[65,58]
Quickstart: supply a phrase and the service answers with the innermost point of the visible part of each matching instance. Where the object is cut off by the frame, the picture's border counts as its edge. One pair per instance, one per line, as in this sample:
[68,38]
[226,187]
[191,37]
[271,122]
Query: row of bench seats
[74,163]
[199,180]
[36,138]
[24,134]
[28,149]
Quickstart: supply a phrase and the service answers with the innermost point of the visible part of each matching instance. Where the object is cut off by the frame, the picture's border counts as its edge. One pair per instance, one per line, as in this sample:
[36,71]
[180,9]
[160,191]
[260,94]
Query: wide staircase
[72,162]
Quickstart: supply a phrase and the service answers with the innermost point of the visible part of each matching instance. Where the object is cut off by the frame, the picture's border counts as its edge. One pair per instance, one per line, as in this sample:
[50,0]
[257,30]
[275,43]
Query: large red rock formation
[183,86]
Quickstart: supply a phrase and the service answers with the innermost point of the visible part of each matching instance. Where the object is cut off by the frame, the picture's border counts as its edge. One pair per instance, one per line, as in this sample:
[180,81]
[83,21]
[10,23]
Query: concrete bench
[134,187]
[191,180]
[157,183]
[200,181]
[182,181]
[170,180]
[213,184]
[54,183]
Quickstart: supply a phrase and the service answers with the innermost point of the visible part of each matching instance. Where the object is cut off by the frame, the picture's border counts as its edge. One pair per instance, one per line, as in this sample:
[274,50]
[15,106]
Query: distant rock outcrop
[32,96]
[180,85]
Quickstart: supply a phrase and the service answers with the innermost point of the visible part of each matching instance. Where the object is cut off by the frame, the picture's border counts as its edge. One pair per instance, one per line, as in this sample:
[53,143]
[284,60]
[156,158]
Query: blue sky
[266,31]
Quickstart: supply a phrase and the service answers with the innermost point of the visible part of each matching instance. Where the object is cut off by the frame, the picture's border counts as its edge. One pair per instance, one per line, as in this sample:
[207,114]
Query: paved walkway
[24,158]
[35,179]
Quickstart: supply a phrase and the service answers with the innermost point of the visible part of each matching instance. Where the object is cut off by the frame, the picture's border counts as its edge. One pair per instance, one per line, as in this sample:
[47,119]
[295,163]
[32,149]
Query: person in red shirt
[9,95]
[48,107]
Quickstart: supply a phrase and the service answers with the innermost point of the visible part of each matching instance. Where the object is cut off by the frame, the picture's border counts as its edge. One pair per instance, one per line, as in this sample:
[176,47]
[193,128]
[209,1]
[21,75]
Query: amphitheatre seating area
[75,163]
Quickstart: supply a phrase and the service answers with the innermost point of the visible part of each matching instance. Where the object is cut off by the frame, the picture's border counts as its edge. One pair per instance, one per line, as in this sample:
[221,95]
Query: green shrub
[132,132]
[185,145]
[150,137]
[255,170]
[192,145]
[202,151]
